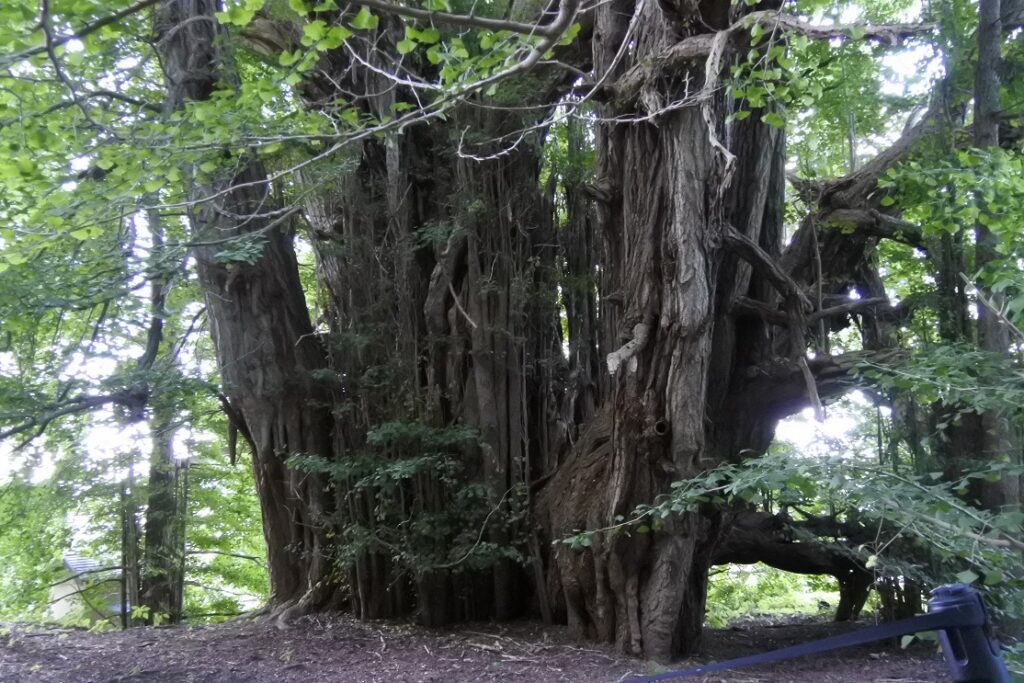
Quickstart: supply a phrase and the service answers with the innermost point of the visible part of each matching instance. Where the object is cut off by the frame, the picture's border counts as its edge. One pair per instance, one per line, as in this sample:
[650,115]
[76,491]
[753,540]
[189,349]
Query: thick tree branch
[876,224]
[745,306]
[780,387]
[764,265]
[852,306]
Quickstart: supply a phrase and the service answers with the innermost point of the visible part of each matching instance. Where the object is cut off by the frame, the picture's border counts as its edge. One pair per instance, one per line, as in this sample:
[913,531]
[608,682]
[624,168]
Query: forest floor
[339,649]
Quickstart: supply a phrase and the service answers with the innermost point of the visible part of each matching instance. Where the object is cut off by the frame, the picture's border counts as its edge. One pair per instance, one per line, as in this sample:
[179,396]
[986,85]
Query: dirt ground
[338,649]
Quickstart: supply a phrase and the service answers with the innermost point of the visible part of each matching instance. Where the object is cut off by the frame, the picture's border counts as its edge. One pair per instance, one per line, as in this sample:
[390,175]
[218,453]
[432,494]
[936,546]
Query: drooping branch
[236,425]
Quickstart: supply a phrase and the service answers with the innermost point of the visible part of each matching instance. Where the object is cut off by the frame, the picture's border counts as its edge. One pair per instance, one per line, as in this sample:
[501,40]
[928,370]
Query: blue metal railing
[955,611]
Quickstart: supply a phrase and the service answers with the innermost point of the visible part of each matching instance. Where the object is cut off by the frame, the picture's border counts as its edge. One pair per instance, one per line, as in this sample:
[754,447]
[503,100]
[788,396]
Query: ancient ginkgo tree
[558,262]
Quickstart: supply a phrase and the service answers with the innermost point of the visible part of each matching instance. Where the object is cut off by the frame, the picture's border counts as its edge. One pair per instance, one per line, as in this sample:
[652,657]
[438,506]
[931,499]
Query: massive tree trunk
[261,329]
[679,354]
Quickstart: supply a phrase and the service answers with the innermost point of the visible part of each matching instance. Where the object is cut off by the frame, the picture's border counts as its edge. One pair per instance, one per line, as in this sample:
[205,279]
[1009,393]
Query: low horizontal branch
[752,307]
[224,553]
[852,306]
[780,386]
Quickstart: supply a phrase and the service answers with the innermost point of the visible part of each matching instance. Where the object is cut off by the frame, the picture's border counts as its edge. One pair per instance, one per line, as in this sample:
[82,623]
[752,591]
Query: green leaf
[967,576]
[755,33]
[435,55]
[313,32]
[14,258]
[299,6]
[774,120]
[741,114]
[364,20]
[406,46]
[428,36]
[887,201]
[239,16]
[336,35]
[288,58]
[993,578]
[570,34]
